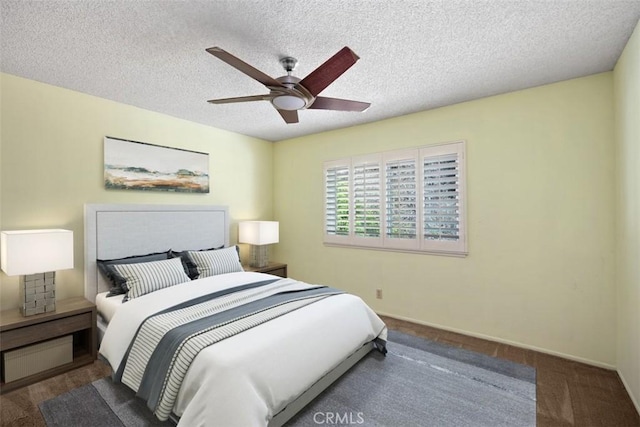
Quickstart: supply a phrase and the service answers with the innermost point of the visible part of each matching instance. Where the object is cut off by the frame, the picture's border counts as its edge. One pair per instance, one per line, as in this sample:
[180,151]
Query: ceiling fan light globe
[288,102]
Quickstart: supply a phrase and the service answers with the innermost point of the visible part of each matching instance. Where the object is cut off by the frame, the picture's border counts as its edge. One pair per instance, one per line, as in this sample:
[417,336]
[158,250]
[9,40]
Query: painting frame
[135,165]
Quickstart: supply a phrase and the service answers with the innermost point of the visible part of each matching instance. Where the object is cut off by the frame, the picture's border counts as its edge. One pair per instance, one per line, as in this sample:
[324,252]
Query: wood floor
[568,393]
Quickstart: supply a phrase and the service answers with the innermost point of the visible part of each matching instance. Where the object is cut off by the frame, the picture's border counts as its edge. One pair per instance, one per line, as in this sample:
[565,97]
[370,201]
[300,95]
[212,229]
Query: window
[411,200]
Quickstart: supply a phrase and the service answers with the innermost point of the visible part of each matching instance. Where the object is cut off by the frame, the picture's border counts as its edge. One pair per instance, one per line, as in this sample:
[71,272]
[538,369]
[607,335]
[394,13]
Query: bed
[264,366]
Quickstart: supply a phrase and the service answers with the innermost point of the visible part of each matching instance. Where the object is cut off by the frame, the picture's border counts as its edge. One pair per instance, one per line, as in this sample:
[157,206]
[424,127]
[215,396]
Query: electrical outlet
[379,293]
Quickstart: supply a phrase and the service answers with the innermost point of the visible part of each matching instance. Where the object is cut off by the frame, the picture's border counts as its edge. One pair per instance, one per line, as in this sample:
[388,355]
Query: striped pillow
[145,277]
[219,261]
[118,284]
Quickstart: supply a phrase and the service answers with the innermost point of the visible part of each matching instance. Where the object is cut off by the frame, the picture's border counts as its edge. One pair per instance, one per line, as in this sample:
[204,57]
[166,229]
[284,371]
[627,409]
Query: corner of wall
[626,82]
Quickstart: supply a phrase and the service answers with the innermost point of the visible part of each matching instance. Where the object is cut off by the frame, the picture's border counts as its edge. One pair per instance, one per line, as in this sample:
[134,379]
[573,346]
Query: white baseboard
[626,386]
[513,343]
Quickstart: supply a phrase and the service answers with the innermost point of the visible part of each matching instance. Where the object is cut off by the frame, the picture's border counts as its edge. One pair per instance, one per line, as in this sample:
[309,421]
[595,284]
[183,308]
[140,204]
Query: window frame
[419,244]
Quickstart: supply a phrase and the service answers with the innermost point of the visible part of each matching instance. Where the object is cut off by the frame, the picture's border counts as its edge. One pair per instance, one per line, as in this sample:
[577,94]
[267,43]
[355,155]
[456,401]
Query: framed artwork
[132,165]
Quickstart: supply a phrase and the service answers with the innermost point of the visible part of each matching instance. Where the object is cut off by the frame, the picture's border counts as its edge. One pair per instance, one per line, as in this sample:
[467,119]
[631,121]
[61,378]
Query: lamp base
[37,293]
[259,256]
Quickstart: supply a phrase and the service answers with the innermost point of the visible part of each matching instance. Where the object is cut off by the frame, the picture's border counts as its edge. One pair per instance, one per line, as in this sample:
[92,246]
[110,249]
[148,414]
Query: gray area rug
[418,383]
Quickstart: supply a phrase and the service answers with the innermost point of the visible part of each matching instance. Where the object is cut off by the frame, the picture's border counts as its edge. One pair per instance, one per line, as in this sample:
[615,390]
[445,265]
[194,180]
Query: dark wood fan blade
[240,99]
[328,72]
[289,116]
[242,66]
[324,103]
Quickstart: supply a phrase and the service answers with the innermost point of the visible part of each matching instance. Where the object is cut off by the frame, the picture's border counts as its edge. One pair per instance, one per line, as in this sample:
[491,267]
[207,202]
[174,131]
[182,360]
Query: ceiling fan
[288,94]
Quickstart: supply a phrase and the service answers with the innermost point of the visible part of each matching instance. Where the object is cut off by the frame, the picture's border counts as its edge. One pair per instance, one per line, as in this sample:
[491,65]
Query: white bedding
[107,307]
[246,379]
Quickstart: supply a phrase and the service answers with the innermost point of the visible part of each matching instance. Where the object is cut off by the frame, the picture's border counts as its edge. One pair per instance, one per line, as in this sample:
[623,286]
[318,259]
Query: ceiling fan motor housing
[294,97]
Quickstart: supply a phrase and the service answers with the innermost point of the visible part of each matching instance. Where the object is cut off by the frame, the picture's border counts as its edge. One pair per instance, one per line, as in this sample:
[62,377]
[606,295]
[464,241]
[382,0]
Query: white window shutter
[367,200]
[336,201]
[401,178]
[443,207]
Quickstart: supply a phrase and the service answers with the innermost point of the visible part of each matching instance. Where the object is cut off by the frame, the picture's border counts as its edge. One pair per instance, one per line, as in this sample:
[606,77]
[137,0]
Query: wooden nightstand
[275,268]
[73,316]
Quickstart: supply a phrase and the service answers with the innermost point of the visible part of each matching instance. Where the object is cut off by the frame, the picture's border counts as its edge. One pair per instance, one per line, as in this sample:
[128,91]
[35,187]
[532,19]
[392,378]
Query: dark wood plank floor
[568,393]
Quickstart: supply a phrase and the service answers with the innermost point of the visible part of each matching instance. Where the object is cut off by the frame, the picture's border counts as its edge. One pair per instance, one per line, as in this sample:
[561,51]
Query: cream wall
[626,79]
[540,270]
[52,164]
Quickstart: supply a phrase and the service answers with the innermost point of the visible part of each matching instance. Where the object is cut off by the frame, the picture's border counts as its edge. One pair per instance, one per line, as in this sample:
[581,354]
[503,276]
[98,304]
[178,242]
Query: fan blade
[242,66]
[333,68]
[289,116]
[240,99]
[324,103]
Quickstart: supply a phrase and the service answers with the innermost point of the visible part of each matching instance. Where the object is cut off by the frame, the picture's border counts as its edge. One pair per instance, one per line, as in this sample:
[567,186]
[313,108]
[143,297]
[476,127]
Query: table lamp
[34,255]
[258,234]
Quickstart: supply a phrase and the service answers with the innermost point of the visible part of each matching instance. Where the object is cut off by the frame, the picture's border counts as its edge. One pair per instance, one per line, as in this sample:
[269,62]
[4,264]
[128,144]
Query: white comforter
[247,379]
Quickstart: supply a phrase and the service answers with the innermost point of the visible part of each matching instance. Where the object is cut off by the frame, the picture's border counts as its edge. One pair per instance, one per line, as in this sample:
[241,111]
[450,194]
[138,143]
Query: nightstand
[275,268]
[74,317]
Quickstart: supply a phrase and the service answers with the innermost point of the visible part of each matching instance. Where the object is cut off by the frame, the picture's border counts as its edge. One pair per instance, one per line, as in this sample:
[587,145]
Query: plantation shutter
[443,204]
[408,200]
[401,200]
[367,210]
[337,192]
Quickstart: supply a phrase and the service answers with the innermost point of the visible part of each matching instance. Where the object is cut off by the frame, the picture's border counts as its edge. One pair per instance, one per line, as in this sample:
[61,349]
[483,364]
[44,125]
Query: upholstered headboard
[118,231]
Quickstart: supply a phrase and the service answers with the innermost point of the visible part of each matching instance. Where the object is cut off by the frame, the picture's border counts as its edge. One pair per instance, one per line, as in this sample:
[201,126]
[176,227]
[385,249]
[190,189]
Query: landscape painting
[131,165]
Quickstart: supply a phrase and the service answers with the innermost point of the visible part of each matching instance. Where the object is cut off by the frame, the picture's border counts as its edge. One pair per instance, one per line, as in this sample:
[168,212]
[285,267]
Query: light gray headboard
[118,231]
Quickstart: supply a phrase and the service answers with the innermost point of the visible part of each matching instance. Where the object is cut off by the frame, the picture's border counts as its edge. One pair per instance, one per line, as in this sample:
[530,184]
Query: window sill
[371,248]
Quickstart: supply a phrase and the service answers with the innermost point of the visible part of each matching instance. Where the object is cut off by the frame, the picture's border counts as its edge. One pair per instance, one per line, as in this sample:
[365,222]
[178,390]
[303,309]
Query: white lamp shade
[35,251]
[258,232]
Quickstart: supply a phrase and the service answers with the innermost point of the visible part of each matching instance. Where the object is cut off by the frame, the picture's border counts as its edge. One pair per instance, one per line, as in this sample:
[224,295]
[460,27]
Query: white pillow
[145,277]
[218,261]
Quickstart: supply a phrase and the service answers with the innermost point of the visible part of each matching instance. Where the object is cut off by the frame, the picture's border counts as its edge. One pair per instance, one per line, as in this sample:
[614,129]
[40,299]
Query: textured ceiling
[415,55]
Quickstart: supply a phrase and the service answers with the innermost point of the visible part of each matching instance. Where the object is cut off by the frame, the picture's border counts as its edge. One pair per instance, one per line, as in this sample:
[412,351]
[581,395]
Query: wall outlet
[379,293]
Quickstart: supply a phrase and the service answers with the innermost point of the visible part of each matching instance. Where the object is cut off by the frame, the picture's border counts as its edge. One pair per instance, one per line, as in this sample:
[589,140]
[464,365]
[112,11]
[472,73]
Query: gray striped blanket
[167,342]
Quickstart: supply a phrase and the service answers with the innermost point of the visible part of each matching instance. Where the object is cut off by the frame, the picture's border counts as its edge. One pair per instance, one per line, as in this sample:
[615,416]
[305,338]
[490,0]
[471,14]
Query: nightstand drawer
[40,332]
